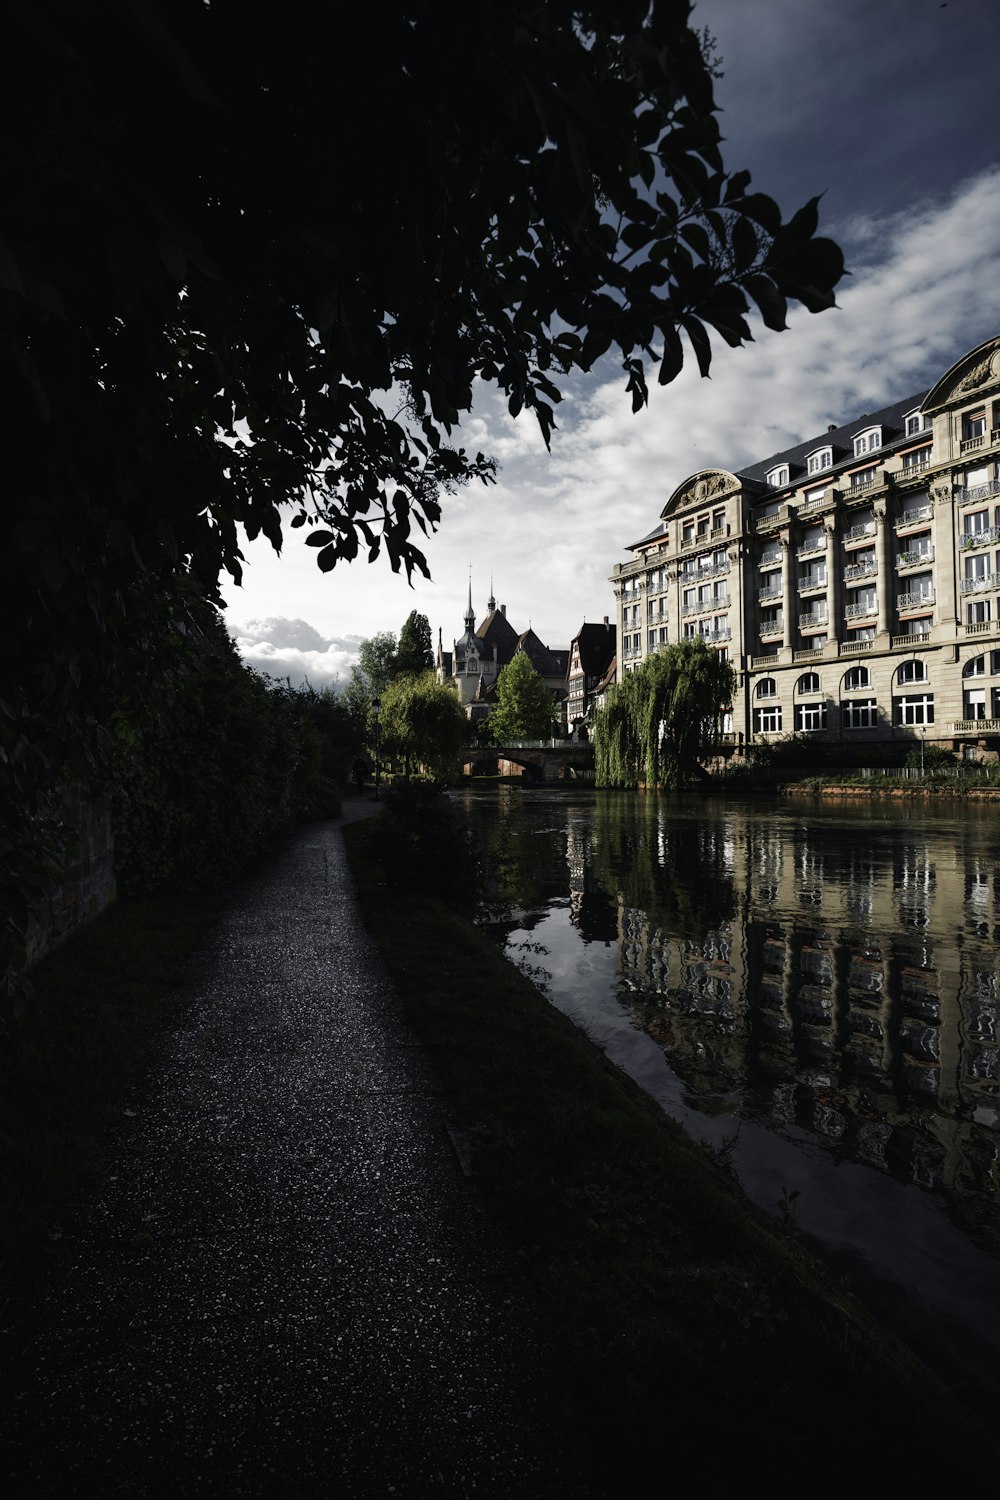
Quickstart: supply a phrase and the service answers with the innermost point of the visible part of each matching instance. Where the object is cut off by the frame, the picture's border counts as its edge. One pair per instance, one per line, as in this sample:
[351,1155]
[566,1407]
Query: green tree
[525,708]
[658,721]
[423,723]
[414,653]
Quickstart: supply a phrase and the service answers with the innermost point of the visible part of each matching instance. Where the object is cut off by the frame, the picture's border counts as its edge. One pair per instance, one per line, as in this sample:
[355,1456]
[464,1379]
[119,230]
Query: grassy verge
[703,1338]
[66,1063]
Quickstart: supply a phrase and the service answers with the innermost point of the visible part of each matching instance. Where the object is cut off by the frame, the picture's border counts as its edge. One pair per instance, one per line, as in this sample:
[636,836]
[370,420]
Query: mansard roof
[840,439]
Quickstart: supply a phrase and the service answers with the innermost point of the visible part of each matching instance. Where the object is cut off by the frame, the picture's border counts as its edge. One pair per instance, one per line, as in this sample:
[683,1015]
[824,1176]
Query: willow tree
[660,720]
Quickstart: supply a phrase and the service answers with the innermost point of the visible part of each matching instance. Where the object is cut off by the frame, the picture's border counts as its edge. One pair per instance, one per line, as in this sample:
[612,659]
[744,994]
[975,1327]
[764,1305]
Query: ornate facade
[853,580]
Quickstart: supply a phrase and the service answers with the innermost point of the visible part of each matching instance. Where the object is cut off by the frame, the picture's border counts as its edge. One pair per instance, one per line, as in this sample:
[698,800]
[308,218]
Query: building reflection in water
[850,985]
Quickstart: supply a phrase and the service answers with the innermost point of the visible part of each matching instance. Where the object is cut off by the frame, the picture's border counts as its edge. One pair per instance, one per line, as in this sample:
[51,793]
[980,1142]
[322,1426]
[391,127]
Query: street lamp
[376,710]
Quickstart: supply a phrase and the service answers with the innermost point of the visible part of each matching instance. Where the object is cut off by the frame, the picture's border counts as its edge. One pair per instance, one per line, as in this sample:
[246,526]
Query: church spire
[491,603]
[470,614]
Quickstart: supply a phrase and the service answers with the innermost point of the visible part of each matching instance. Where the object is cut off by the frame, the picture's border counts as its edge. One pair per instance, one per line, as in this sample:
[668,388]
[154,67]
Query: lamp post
[376,710]
[923,731]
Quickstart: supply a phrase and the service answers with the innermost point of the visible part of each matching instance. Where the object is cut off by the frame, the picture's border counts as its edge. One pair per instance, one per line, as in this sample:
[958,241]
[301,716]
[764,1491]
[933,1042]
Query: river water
[813,990]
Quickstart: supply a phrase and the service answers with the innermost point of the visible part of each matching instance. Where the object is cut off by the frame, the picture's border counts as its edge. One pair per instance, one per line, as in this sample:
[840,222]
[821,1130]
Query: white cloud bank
[926,289]
[293,649]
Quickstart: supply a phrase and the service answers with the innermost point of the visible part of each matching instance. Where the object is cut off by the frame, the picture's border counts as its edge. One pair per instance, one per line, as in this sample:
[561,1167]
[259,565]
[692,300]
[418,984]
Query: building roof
[597,647]
[840,439]
[496,630]
[610,676]
[545,662]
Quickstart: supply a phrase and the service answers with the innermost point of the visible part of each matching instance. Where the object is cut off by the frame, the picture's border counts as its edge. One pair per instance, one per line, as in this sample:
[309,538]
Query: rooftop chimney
[832,427]
[503,610]
[605,619]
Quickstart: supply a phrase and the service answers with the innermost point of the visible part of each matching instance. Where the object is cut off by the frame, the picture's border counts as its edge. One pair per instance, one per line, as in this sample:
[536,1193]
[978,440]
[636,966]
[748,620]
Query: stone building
[479,655]
[591,653]
[853,580]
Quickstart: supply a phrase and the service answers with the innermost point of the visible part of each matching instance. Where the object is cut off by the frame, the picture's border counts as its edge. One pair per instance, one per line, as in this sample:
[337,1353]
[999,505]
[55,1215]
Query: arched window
[911,671]
[975,668]
[767,688]
[808,683]
[857,677]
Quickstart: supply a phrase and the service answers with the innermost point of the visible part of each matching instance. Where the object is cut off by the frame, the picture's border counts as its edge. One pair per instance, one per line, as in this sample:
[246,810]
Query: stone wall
[88,880]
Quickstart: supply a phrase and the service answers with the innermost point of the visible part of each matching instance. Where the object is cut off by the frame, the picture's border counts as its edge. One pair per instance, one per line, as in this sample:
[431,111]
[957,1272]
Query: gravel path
[285,1285]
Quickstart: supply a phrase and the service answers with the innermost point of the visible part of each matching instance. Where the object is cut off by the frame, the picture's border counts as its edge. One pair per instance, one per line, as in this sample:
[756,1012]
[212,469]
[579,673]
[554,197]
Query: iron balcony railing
[978,491]
[865,569]
[913,559]
[855,533]
[982,538]
[807,549]
[763,595]
[981,584]
[860,610]
[914,601]
[915,513]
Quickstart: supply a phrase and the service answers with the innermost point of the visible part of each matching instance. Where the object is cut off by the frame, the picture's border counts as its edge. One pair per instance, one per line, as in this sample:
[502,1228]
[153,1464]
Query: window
[976,523]
[703,526]
[652,639]
[974,703]
[820,460]
[974,424]
[718,520]
[868,441]
[916,458]
[768,720]
[778,476]
[912,671]
[977,567]
[994,663]
[771,620]
[810,717]
[857,677]
[767,688]
[915,708]
[808,683]
[975,477]
[978,612]
[916,422]
[688,532]
[863,479]
[859,713]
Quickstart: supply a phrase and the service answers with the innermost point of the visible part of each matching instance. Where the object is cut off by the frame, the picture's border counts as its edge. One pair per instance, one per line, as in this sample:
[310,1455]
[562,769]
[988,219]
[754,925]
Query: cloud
[294,649]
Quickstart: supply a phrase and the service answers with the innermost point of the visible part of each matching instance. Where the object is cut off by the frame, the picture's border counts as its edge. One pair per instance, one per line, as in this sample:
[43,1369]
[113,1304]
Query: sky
[887,109]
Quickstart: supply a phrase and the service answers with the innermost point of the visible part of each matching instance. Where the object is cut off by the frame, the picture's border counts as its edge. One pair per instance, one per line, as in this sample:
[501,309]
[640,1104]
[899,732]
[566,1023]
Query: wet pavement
[285,1284]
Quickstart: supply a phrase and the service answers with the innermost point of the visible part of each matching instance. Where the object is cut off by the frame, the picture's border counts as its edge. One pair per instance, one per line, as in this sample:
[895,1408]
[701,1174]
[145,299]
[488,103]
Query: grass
[66,1063]
[702,1336]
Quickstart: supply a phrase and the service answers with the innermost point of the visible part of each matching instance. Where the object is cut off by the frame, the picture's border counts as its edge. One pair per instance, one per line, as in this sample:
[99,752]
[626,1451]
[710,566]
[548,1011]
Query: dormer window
[820,460]
[777,477]
[915,422]
[868,441]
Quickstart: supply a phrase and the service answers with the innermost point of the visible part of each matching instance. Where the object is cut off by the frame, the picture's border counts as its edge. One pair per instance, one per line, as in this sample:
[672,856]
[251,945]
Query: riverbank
[705,1340]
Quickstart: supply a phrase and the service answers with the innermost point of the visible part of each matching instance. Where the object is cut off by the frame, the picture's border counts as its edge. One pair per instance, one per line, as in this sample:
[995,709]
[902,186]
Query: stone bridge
[540,760]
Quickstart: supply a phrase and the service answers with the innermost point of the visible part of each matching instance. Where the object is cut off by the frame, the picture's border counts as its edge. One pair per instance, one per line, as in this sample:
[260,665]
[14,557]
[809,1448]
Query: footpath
[285,1285]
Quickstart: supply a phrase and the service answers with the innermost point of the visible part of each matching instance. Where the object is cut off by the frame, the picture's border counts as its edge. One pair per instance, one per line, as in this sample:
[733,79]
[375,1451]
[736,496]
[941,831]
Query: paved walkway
[285,1285]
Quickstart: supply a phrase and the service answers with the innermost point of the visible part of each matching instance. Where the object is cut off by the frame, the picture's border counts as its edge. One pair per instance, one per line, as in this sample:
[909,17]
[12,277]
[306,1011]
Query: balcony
[859,533]
[911,638]
[866,569]
[915,466]
[810,549]
[705,606]
[772,627]
[970,444]
[767,523]
[816,620]
[914,559]
[977,492]
[812,654]
[708,570]
[915,601]
[983,538]
[861,611]
[768,659]
[811,581]
[982,627]
[976,726]
[764,595]
[855,648]
[914,514]
[982,584]
[722,634]
[862,482]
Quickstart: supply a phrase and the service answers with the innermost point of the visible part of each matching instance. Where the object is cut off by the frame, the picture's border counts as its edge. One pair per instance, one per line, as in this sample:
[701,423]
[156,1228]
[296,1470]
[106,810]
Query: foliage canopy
[423,722]
[658,721]
[525,708]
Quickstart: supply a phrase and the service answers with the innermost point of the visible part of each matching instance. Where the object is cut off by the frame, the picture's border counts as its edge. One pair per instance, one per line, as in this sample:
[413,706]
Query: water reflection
[822,979]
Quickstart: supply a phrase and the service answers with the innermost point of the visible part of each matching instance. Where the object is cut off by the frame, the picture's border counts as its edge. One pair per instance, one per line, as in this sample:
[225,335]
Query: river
[813,990]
